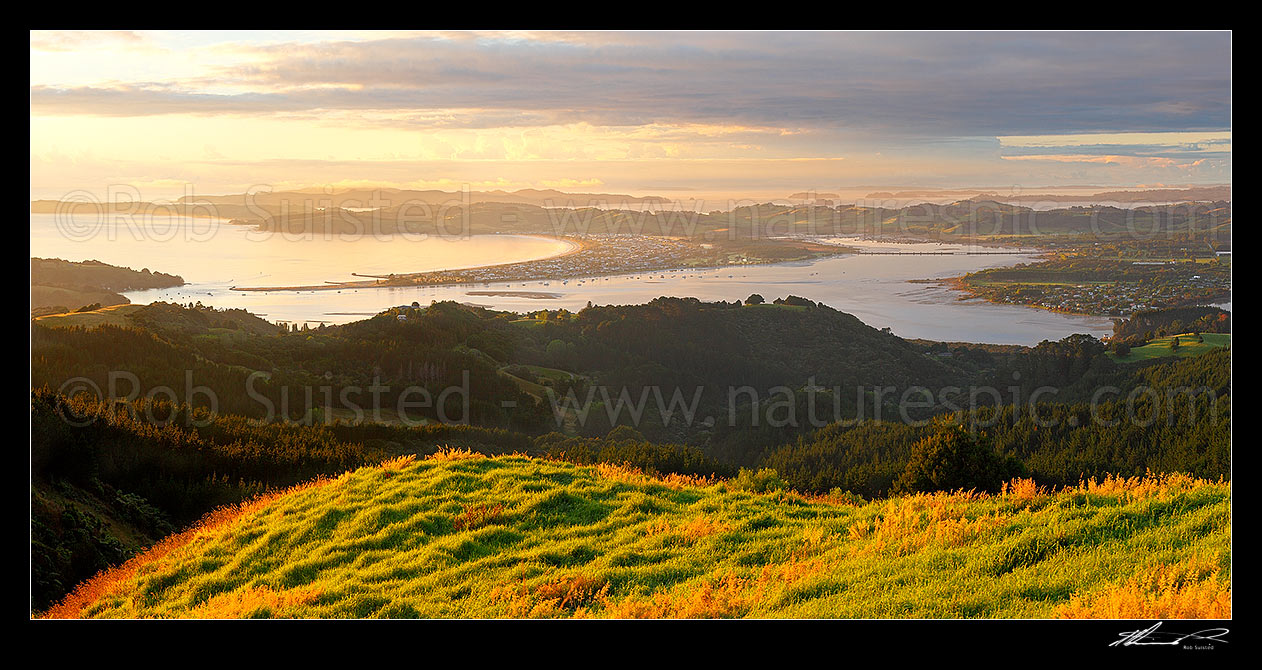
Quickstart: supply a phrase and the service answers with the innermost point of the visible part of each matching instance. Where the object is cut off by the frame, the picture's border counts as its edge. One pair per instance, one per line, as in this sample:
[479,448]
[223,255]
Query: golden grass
[459,534]
[729,596]
[1156,486]
[477,516]
[453,454]
[253,602]
[114,581]
[1023,489]
[1185,591]
[633,475]
[726,596]
[552,598]
[689,529]
[910,524]
[116,315]
[397,463]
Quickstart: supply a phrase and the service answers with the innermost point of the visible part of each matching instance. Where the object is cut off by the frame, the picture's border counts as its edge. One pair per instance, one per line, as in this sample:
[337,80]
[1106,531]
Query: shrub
[765,480]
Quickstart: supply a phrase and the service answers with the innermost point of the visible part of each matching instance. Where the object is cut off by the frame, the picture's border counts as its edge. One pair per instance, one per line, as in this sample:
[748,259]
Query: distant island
[1136,196]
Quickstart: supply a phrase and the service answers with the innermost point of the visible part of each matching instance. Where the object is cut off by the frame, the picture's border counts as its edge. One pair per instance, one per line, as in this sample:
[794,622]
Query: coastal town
[1103,288]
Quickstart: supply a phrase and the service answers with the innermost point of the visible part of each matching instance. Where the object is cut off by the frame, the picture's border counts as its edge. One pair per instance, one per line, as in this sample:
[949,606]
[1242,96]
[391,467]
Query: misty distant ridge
[1190,194]
[536,210]
[371,198]
[387,197]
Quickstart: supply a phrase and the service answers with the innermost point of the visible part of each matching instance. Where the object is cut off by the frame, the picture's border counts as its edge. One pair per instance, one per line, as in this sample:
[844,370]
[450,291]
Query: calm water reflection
[878,289]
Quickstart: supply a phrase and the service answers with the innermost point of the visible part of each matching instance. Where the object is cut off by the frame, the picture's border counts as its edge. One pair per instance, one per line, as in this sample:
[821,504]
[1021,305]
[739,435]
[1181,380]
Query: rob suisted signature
[1153,637]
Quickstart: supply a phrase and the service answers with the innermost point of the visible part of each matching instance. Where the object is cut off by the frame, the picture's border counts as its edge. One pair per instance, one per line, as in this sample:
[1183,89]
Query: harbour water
[213,256]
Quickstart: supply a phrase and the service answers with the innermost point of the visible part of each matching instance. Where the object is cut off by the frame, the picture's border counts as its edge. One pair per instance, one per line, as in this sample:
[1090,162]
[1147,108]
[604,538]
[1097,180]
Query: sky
[680,114]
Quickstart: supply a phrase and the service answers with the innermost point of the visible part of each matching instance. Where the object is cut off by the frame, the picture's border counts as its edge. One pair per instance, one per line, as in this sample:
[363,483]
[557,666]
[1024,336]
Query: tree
[1174,344]
[557,350]
[625,433]
[754,299]
[951,458]
[1121,348]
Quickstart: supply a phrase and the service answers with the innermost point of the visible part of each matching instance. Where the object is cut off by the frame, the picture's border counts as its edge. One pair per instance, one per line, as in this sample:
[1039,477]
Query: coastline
[530,273]
[193,211]
[522,296]
[958,284]
[575,246]
[973,293]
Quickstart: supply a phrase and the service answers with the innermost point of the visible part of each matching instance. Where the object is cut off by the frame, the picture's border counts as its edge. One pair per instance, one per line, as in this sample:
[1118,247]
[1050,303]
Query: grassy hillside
[1188,346]
[225,325]
[458,535]
[114,315]
[61,300]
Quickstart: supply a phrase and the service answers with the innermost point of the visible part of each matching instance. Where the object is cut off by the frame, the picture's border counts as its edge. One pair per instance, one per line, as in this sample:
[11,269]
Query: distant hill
[261,204]
[62,286]
[392,197]
[462,536]
[1191,194]
[972,217]
[97,275]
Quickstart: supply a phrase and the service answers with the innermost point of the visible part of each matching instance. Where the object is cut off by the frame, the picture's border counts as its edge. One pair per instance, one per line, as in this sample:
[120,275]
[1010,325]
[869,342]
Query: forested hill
[669,345]
[56,272]
[727,361]
[61,286]
[736,381]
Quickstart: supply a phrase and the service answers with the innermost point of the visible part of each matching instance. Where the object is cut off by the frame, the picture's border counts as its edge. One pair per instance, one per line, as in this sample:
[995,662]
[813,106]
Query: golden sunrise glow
[219,111]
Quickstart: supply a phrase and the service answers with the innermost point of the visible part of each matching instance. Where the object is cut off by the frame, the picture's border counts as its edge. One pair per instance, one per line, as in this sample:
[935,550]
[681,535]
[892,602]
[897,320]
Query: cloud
[79,40]
[1193,152]
[891,84]
[1125,161]
[731,111]
[1185,138]
[572,183]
